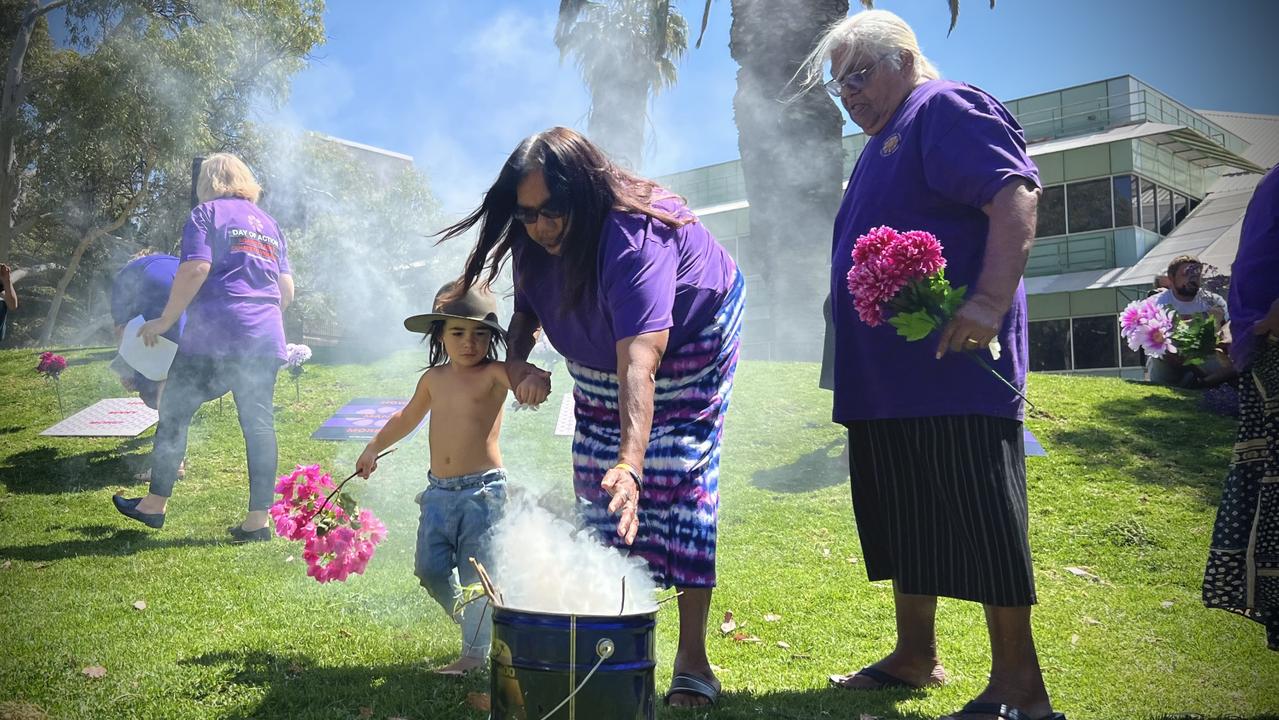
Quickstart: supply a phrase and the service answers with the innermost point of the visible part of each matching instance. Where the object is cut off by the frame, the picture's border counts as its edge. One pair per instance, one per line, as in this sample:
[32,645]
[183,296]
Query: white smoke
[542,563]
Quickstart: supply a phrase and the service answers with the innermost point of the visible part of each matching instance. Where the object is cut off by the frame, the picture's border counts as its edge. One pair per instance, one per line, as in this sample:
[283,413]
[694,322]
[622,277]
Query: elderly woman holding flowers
[1243,561]
[935,439]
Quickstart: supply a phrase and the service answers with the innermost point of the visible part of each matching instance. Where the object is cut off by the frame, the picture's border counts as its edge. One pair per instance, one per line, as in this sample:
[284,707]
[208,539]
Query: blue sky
[458,84]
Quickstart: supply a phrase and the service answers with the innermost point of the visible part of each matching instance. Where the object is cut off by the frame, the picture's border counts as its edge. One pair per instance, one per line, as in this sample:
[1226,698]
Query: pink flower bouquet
[51,366]
[900,278]
[338,538]
[1158,330]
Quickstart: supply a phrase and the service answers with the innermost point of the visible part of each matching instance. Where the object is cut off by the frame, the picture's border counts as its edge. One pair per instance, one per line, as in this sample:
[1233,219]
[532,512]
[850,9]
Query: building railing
[1071,253]
[1141,105]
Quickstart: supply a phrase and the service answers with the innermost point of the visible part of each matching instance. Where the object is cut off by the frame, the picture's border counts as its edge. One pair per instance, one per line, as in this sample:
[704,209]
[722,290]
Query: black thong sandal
[1002,711]
[887,681]
[691,685]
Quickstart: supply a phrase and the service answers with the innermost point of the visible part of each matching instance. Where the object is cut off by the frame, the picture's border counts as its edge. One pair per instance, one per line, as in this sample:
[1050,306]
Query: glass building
[1132,178]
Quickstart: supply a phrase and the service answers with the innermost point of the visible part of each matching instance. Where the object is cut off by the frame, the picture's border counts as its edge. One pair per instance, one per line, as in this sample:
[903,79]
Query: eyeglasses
[529,216]
[854,81]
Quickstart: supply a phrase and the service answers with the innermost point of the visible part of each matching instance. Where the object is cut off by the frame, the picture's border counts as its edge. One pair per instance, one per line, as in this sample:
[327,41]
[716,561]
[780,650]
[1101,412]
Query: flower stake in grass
[904,273]
[1158,330]
[294,357]
[51,366]
[338,538]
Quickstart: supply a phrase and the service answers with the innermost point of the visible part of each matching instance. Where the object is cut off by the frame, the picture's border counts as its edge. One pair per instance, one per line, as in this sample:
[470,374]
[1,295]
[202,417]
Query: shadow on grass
[821,468]
[11,429]
[42,470]
[290,686]
[104,541]
[92,357]
[1158,440]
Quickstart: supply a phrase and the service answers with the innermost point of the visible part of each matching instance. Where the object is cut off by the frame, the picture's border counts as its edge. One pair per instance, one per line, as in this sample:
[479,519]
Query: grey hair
[870,33]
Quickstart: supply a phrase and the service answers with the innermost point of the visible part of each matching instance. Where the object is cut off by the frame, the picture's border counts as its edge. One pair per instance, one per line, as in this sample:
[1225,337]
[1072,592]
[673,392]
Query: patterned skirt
[1243,562]
[679,506]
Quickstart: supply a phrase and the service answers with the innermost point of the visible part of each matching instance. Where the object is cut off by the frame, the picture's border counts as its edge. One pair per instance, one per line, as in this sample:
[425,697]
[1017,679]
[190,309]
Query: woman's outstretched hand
[626,493]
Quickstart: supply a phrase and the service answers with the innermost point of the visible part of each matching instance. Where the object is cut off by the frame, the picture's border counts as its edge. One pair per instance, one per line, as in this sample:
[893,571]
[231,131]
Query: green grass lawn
[1128,491]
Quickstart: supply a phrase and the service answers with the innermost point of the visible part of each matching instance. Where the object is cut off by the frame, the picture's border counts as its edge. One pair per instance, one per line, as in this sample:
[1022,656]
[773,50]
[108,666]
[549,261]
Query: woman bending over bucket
[463,388]
[645,306]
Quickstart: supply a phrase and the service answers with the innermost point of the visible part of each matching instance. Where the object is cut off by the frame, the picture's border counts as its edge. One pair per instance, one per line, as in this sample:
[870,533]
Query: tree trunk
[51,318]
[11,98]
[792,162]
[619,106]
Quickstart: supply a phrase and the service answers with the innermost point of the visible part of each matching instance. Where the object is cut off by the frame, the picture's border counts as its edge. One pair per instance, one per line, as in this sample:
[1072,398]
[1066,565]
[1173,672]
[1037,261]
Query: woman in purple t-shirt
[233,284]
[645,306]
[936,457]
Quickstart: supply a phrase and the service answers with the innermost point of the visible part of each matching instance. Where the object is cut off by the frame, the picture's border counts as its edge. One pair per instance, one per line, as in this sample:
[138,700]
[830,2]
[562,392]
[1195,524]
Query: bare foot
[145,475]
[894,671]
[460,666]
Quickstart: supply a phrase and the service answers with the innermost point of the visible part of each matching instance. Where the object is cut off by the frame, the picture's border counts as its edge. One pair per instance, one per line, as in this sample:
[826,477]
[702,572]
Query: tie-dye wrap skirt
[679,505]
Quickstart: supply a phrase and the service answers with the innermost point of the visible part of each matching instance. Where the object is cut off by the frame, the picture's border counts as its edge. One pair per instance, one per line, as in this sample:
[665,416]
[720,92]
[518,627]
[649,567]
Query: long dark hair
[582,181]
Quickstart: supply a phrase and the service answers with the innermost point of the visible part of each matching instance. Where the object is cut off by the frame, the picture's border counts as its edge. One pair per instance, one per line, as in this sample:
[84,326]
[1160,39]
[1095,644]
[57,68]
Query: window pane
[1088,205]
[1180,208]
[1126,208]
[1164,198]
[1129,357]
[1052,212]
[1049,344]
[1148,217]
[1096,342]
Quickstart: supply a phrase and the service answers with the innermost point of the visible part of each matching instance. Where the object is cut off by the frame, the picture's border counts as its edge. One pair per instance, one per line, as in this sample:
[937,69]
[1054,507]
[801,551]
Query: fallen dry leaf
[1091,621]
[1074,640]
[825,552]
[852,561]
[729,624]
[295,668]
[288,559]
[139,604]
[366,712]
[783,644]
[345,633]
[7,564]
[94,671]
[478,701]
[1083,573]
[743,637]
[41,565]
[800,656]
[1165,604]
[771,617]
[1143,499]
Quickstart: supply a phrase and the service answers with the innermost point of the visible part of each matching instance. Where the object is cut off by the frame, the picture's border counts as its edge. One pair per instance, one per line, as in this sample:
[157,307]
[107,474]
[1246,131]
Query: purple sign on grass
[361,418]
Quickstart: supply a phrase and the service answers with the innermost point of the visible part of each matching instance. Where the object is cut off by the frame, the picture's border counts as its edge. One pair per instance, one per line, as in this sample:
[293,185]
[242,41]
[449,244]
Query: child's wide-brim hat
[475,304]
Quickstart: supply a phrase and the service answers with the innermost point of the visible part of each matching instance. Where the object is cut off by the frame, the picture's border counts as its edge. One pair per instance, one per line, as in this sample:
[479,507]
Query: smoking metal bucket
[572,667]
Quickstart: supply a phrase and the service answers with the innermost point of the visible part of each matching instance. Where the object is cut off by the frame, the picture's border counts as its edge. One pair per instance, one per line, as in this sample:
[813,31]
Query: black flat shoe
[128,507]
[240,535]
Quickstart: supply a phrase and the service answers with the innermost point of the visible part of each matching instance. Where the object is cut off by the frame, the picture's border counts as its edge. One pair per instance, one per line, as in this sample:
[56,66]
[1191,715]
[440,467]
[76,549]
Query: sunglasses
[529,216]
[854,81]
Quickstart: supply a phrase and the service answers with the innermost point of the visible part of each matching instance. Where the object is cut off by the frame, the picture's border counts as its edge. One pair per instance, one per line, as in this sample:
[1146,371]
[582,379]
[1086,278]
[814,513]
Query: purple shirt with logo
[237,310]
[651,278]
[1253,276]
[945,153]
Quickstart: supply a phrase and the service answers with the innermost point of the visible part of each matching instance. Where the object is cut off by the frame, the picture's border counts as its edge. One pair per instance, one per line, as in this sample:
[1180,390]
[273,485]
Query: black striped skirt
[941,508]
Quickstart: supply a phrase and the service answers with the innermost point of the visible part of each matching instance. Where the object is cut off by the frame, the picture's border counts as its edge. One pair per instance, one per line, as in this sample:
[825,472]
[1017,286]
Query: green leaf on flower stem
[348,504]
[913,325]
[954,298]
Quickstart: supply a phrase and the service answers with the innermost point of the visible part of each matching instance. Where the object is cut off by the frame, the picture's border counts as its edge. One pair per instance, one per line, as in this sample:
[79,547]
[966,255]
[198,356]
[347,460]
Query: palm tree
[627,51]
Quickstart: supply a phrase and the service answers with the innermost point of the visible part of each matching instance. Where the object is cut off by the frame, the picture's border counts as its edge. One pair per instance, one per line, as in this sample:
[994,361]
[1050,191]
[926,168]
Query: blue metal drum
[572,667]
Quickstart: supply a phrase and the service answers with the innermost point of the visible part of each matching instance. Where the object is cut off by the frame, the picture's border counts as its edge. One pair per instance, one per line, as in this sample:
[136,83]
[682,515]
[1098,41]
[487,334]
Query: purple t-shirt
[237,310]
[142,288]
[945,153]
[1253,276]
[651,278]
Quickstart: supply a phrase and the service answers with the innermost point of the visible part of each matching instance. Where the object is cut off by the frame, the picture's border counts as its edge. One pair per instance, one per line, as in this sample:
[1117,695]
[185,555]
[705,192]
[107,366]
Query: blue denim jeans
[457,514]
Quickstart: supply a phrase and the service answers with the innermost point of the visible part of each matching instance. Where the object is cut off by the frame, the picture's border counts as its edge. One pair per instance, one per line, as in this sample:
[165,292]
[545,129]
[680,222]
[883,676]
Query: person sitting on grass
[464,387]
[1182,293]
